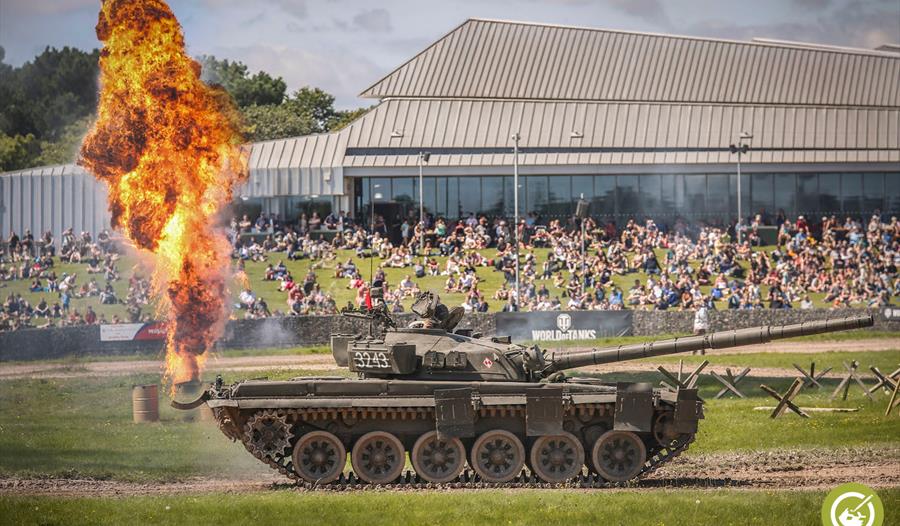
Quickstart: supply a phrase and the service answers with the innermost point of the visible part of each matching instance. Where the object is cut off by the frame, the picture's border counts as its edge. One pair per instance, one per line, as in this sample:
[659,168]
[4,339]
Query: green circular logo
[852,504]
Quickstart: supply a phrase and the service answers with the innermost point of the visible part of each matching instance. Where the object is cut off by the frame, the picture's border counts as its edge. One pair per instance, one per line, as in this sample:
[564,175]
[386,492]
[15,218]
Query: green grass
[337,287]
[886,361]
[532,507]
[82,427]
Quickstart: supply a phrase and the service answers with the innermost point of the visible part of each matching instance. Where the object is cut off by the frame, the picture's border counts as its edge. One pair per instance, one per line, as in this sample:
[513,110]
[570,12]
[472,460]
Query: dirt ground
[808,470]
[324,362]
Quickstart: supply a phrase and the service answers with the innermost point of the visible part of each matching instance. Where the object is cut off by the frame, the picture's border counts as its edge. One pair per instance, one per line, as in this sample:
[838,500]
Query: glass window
[673,196]
[509,197]
[785,191]
[761,197]
[650,191]
[492,195]
[830,194]
[717,195]
[891,194]
[453,205]
[560,193]
[695,195]
[582,185]
[538,195]
[746,205]
[604,201]
[429,186]
[851,192]
[440,207]
[808,195]
[873,192]
[470,196]
[404,190]
[628,195]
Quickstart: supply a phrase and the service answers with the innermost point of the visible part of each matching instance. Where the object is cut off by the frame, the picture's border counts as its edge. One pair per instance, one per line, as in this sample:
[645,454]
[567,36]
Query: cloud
[295,8]
[57,7]
[651,11]
[335,69]
[374,21]
[856,24]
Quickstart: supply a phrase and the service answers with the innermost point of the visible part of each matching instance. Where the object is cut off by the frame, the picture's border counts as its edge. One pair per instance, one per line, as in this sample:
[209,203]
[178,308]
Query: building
[639,124]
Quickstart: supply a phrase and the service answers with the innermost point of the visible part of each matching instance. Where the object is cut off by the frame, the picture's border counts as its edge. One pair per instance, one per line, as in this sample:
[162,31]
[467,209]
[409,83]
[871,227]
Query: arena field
[73,456]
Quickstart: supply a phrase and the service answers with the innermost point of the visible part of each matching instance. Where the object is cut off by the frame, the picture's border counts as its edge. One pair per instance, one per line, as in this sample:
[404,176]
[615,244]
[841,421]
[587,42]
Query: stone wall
[42,344]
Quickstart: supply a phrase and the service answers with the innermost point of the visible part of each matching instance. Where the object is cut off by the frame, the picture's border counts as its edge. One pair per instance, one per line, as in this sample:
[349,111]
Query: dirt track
[812,469]
[324,362]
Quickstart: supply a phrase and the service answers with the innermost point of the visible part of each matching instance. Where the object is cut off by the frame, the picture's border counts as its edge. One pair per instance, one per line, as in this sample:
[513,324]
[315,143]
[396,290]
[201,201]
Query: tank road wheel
[438,460]
[268,434]
[557,458]
[619,455]
[497,456]
[378,457]
[319,457]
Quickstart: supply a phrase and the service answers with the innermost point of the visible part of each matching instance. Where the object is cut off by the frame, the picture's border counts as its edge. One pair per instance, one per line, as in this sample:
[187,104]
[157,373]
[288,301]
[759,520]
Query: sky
[344,46]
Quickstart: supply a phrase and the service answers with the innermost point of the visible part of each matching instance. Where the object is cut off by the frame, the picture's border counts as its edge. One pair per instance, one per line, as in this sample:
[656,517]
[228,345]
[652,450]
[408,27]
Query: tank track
[468,479]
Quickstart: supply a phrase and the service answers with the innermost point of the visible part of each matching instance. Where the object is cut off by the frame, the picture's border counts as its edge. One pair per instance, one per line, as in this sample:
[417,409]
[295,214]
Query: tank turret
[450,398]
[431,350]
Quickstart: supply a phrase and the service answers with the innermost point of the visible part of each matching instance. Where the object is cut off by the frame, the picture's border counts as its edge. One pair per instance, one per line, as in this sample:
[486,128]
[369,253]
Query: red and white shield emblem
[488,363]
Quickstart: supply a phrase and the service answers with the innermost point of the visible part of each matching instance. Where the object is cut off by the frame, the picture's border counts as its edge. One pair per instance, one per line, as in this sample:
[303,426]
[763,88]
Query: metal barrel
[145,403]
[713,340]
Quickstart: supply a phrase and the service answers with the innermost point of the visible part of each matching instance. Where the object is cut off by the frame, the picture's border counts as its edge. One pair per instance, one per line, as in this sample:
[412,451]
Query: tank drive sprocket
[268,433]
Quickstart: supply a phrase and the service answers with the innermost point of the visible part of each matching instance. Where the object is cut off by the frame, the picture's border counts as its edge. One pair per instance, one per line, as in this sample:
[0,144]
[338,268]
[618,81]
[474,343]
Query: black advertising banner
[559,326]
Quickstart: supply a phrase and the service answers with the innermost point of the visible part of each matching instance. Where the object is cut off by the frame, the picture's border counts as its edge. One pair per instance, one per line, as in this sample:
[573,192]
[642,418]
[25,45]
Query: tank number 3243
[371,360]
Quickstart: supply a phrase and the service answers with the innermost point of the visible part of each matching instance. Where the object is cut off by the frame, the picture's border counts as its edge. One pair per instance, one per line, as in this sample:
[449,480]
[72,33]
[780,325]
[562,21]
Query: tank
[448,398]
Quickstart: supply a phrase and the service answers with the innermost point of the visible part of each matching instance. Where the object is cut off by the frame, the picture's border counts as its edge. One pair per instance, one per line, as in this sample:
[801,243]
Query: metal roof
[477,132]
[514,60]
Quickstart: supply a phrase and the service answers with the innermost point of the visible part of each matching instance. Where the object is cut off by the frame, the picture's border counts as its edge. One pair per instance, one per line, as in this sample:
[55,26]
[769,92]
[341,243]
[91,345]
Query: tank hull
[464,412]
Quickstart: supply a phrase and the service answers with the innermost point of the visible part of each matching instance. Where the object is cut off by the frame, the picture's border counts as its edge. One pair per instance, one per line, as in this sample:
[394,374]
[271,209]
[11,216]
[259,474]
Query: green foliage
[259,89]
[44,104]
[47,105]
[273,121]
[17,152]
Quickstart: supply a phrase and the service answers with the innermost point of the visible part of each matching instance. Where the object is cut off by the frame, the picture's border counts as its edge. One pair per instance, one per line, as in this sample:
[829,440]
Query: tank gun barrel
[713,340]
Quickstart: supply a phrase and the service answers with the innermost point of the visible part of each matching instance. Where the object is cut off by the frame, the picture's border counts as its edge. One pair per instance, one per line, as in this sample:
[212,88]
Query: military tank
[448,398]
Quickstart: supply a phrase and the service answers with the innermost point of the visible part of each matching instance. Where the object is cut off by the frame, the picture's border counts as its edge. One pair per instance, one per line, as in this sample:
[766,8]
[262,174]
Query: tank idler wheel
[497,456]
[557,458]
[619,455]
[319,457]
[378,457]
[438,460]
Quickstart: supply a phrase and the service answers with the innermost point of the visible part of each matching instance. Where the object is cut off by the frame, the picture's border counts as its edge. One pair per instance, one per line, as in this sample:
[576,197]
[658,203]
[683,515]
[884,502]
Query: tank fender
[688,411]
[454,412]
[634,407]
[544,411]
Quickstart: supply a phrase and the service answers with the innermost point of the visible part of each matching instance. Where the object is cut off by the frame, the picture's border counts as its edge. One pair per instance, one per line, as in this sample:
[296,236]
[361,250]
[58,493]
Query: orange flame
[168,146]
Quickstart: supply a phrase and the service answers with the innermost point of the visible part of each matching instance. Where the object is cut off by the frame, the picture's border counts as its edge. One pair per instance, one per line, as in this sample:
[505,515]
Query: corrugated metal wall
[52,198]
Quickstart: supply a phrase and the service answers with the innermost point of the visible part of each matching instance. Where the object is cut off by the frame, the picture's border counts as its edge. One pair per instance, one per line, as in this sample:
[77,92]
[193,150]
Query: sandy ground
[808,470]
[324,362]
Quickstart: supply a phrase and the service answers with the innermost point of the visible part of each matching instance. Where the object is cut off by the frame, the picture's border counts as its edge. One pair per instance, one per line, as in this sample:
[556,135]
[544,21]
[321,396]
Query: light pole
[423,158]
[375,195]
[515,137]
[741,148]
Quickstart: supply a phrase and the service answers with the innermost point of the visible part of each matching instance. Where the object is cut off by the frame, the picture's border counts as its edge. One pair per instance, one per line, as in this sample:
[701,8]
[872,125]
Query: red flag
[368,299]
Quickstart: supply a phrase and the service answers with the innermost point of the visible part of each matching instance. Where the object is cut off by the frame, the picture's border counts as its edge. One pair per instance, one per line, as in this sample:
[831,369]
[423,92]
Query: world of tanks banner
[559,326]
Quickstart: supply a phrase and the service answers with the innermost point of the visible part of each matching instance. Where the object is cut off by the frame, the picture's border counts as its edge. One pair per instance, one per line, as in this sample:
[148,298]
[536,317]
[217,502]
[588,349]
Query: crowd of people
[25,259]
[680,266]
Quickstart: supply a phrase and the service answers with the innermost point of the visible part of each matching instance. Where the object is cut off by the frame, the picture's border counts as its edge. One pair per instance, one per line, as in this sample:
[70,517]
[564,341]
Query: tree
[260,89]
[17,152]
[275,121]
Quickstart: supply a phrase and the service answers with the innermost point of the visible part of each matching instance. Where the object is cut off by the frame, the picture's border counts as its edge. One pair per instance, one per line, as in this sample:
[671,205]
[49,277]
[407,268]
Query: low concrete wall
[43,344]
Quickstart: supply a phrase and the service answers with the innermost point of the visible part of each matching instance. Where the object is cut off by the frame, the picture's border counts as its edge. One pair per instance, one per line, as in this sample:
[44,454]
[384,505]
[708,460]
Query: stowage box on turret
[449,397]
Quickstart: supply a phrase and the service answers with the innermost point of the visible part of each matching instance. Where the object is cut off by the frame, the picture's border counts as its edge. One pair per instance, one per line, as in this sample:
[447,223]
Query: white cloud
[336,70]
[374,20]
